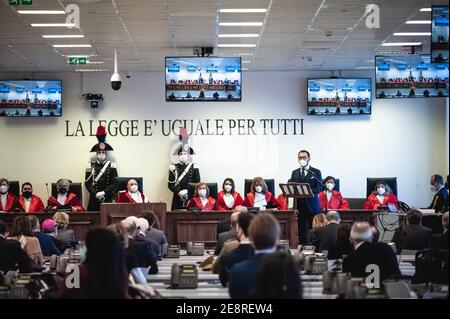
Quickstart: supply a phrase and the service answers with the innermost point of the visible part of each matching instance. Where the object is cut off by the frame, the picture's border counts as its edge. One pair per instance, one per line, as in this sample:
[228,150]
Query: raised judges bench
[183,226]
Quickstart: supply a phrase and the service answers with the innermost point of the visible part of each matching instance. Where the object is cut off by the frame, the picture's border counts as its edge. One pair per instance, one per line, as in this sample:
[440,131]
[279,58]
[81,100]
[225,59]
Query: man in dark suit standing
[440,198]
[413,236]
[326,236]
[264,232]
[368,253]
[12,256]
[243,252]
[307,207]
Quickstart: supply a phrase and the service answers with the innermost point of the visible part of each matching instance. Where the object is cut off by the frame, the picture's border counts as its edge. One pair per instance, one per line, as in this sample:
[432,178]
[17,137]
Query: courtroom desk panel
[183,226]
[80,222]
[114,212]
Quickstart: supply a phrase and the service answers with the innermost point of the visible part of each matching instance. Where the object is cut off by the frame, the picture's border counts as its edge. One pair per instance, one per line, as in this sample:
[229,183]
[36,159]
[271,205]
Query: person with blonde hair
[67,236]
[259,196]
[201,198]
[318,221]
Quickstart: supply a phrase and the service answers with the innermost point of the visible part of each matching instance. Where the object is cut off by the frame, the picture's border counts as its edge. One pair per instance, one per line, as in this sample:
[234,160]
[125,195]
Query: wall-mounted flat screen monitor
[439,34]
[410,76]
[339,96]
[30,98]
[202,79]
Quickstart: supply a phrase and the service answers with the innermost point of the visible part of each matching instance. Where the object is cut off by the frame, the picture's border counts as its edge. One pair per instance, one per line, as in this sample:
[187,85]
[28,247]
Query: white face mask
[227,188]
[133,188]
[303,163]
[381,190]
[202,193]
[3,189]
[101,157]
[184,158]
[258,189]
[330,186]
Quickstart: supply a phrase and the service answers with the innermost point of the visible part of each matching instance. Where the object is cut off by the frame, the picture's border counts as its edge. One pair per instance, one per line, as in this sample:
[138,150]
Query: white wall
[403,138]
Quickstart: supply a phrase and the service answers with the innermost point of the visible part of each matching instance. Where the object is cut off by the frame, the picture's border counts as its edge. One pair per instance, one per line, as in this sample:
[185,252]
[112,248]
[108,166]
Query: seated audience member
[67,236]
[228,198]
[132,194]
[367,253]
[48,226]
[22,231]
[201,198]
[241,253]
[264,233]
[326,236]
[330,198]
[412,236]
[228,235]
[48,247]
[102,274]
[64,198]
[30,203]
[121,233]
[440,198]
[140,249]
[12,256]
[259,196]
[141,234]
[318,221]
[381,196]
[440,241]
[278,277]
[343,246]
[153,232]
[375,234]
[8,201]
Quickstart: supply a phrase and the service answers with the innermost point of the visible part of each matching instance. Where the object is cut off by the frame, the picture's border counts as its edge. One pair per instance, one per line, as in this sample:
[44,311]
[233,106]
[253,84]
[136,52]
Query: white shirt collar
[265,251]
[359,245]
[245,241]
[438,190]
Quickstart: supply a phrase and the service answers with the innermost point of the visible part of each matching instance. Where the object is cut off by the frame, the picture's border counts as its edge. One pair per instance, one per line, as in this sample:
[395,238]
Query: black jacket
[223,237]
[412,237]
[372,253]
[325,236]
[143,254]
[312,177]
[227,261]
[440,201]
[439,241]
[192,176]
[13,257]
[340,249]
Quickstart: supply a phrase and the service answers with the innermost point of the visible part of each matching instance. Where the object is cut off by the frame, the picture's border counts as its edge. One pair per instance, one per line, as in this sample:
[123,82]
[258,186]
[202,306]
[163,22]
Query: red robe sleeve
[249,200]
[370,202]
[392,199]
[192,203]
[345,205]
[75,203]
[238,201]
[282,202]
[273,201]
[322,200]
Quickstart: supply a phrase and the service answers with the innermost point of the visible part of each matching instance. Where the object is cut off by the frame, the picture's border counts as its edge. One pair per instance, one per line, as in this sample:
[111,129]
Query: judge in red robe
[259,196]
[228,198]
[132,194]
[201,198]
[30,203]
[331,199]
[64,198]
[381,196]
[8,201]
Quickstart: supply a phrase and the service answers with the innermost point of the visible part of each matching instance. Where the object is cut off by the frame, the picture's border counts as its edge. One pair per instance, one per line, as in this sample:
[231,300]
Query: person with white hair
[368,253]
[140,249]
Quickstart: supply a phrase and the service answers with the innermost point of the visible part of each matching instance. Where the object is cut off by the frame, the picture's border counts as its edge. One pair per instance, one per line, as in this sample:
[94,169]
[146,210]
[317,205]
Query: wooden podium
[111,213]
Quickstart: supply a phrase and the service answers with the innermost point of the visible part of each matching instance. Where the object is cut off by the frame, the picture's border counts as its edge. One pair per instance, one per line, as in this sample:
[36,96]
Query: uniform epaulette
[172,167]
[113,165]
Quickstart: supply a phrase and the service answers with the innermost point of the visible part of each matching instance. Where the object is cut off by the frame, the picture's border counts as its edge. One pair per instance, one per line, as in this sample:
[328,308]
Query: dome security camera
[116,81]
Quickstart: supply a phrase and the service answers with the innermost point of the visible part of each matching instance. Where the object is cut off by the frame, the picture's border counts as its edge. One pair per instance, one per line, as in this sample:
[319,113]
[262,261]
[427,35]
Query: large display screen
[439,34]
[339,96]
[203,79]
[410,76]
[30,98]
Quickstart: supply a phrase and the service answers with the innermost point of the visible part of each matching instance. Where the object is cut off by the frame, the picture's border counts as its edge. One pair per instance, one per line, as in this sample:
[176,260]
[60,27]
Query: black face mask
[62,190]
[27,194]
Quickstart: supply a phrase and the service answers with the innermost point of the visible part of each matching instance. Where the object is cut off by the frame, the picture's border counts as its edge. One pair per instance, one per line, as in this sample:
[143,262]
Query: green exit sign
[77,60]
[20,2]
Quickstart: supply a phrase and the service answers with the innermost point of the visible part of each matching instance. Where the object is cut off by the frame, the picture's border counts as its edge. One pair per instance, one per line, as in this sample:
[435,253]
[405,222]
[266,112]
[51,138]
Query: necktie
[303,172]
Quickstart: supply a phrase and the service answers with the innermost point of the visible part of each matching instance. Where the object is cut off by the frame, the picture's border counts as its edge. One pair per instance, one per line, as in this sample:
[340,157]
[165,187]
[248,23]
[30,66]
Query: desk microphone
[48,193]
[317,179]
